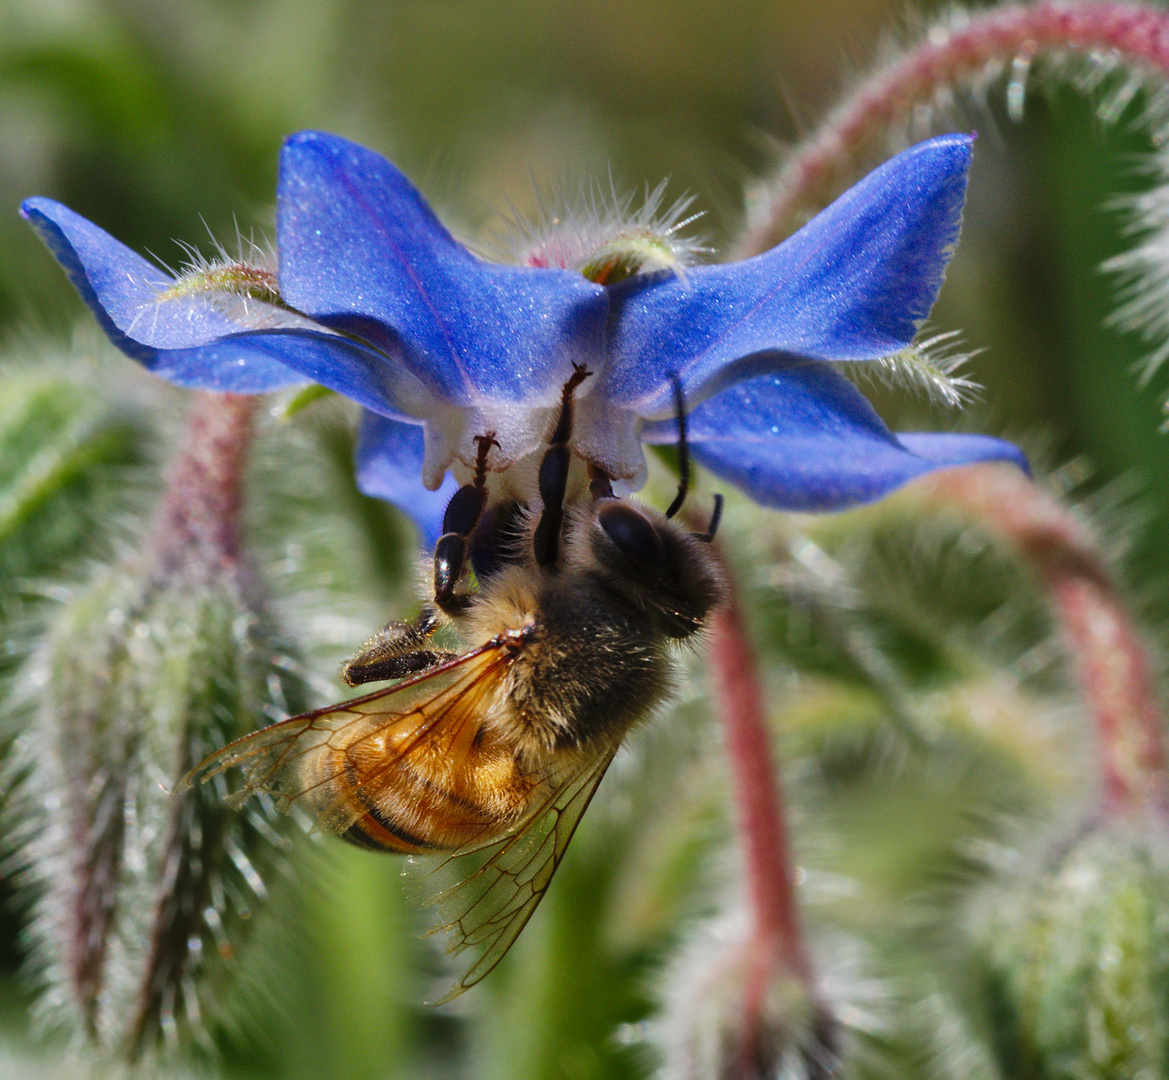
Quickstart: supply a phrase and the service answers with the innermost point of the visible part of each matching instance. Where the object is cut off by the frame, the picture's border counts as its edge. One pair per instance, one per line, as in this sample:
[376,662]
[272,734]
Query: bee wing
[485,893]
[486,889]
[431,709]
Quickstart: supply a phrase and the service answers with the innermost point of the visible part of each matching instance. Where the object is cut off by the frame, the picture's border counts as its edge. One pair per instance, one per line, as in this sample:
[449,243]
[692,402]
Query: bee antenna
[683,452]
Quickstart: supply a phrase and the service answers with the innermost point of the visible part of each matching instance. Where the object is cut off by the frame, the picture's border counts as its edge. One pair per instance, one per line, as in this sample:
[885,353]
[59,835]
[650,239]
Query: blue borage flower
[372,297]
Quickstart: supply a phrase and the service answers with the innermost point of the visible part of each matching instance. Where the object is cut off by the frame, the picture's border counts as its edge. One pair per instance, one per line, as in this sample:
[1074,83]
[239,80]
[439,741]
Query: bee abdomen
[377,832]
[416,809]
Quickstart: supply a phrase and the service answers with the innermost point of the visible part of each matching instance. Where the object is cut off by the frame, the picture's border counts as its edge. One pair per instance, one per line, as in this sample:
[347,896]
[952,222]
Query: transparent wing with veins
[486,893]
[340,761]
[434,716]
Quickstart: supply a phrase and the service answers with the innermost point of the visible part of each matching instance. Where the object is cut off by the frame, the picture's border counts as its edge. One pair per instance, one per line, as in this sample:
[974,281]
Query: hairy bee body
[582,662]
[489,757]
[587,668]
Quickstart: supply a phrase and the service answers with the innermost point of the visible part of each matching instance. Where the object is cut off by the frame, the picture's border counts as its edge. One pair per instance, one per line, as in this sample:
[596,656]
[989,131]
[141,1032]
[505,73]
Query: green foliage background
[161,120]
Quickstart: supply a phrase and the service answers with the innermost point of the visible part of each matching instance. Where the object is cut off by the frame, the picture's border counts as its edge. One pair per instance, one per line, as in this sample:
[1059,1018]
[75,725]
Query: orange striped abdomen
[416,794]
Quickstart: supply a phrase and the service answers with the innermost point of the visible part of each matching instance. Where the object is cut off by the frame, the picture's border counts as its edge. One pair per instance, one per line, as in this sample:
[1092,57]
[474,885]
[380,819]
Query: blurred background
[163,121]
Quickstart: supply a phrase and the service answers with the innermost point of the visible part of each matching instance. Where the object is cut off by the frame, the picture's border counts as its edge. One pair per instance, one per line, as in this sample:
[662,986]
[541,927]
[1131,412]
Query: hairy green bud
[1077,958]
[143,894]
[724,1015]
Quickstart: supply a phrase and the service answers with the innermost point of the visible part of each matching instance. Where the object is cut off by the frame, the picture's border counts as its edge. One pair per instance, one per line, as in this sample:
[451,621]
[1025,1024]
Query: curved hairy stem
[1112,664]
[958,53]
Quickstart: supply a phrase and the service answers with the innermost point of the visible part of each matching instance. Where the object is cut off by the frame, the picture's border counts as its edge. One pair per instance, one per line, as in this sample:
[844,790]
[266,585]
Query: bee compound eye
[632,532]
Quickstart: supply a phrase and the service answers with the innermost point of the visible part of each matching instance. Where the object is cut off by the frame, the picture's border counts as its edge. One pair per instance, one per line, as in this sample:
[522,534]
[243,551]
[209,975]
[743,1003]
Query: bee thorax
[589,670]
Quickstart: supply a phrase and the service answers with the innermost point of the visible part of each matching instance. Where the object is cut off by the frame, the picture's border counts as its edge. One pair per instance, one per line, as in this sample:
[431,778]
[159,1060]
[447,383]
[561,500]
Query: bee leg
[462,515]
[402,648]
[554,476]
[397,650]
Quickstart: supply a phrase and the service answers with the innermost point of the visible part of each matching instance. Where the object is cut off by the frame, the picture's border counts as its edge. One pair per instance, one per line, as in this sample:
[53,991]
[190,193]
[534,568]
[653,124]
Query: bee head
[655,564]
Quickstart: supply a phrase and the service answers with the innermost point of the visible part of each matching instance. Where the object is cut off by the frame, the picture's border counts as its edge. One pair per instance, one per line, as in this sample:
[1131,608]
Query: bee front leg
[403,648]
[553,477]
[397,650]
[463,513]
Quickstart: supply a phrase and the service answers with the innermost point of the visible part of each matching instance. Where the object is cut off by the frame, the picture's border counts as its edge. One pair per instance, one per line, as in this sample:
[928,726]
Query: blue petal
[188,339]
[361,251]
[805,438]
[389,466]
[854,283]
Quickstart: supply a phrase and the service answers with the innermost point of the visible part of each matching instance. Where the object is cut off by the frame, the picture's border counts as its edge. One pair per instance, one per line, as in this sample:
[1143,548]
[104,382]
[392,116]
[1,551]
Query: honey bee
[486,759]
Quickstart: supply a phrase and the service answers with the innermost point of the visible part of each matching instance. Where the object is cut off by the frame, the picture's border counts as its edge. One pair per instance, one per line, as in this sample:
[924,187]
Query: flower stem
[952,54]
[1112,665]
[776,944]
[198,521]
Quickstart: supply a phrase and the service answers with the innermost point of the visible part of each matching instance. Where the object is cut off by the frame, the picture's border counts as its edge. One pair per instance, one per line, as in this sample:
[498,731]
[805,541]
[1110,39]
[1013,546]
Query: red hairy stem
[776,944]
[198,521]
[1112,665]
[951,55]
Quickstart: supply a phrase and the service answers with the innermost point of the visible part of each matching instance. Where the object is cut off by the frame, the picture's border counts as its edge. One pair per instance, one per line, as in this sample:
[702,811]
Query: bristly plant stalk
[955,54]
[198,521]
[151,665]
[775,947]
[1112,664]
[196,537]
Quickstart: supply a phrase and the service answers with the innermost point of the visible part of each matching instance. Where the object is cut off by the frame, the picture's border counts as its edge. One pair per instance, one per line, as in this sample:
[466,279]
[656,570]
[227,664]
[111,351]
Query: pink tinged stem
[950,57]
[1112,665]
[776,945]
[196,536]
[196,532]
[198,520]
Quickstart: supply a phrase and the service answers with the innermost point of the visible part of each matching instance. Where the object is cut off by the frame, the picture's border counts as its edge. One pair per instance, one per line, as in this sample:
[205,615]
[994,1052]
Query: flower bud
[703,1028]
[143,894]
[1076,953]
[607,240]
